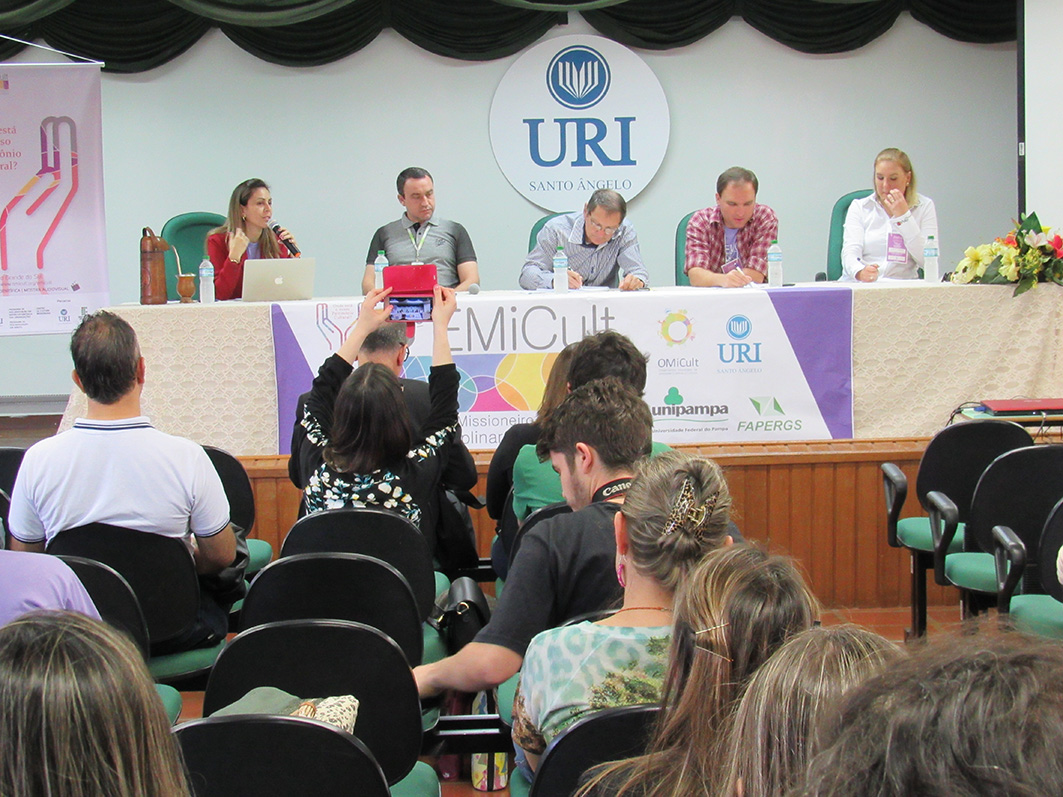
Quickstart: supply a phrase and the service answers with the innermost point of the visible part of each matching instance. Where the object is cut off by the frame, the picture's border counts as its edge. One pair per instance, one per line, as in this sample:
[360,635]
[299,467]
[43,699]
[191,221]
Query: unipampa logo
[677,328]
[675,406]
[578,77]
[766,405]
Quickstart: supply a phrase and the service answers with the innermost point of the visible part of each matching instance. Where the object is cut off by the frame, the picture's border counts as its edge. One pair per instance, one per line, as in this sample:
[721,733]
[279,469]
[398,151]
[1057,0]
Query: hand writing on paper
[33,214]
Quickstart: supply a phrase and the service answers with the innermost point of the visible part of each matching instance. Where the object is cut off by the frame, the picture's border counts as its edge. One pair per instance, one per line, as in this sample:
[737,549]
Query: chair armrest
[895,485]
[944,518]
[1009,556]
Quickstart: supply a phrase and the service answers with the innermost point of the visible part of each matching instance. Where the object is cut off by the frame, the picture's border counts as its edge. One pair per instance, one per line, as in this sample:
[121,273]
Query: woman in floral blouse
[367,457]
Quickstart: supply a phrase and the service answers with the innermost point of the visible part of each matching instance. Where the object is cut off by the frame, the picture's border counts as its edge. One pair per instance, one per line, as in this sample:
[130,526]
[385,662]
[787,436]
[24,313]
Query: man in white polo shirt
[114,467]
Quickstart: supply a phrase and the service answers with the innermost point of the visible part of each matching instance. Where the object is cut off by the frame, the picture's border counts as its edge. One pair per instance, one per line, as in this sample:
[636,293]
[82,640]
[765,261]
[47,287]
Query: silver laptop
[282,279]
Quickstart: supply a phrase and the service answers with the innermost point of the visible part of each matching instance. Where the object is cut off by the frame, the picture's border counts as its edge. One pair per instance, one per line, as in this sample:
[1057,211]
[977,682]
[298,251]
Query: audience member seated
[967,715]
[114,467]
[677,509]
[601,246]
[245,234]
[387,346]
[359,422]
[38,581]
[737,608]
[885,233]
[774,736]
[565,565]
[535,483]
[500,473]
[79,714]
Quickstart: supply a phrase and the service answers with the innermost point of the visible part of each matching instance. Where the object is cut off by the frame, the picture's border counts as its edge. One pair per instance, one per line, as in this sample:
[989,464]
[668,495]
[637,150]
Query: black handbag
[463,614]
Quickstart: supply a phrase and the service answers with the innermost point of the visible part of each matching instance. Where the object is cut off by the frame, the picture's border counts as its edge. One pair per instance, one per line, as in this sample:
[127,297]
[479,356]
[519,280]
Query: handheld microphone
[474,289]
[288,244]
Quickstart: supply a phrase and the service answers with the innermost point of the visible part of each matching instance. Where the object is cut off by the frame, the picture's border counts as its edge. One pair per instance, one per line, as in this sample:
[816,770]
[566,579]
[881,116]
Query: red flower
[1057,244]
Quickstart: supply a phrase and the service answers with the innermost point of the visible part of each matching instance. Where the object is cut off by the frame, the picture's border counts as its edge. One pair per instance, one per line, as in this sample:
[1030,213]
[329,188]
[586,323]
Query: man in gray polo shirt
[599,244]
[418,238]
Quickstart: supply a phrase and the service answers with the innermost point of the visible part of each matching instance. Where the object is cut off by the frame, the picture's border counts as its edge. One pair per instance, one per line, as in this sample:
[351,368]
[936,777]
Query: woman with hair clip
[245,234]
[79,715]
[737,607]
[677,509]
[885,233]
[367,459]
[774,734]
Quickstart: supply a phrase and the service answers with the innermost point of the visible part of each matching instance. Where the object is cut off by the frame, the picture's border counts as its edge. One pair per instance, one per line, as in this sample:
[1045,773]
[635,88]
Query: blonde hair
[79,714]
[774,732]
[736,608]
[901,159]
[234,219]
[677,509]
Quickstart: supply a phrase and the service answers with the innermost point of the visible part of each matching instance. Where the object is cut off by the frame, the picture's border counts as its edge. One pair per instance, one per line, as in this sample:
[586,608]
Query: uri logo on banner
[575,114]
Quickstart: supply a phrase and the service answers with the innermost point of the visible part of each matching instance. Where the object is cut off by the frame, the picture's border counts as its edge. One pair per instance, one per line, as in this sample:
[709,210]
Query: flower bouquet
[1024,256]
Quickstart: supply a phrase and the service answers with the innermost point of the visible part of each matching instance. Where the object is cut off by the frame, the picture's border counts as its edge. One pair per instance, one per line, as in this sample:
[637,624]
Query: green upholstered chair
[277,755]
[1018,490]
[162,575]
[1039,609]
[952,464]
[681,249]
[320,658]
[537,228]
[834,241]
[187,233]
[337,586]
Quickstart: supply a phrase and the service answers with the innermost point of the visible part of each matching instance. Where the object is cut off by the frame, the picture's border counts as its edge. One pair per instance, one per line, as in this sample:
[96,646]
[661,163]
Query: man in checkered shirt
[727,245]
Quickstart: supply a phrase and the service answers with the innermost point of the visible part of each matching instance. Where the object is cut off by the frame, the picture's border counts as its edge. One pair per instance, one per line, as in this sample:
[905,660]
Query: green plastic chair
[681,249]
[1031,612]
[834,242]
[187,233]
[537,228]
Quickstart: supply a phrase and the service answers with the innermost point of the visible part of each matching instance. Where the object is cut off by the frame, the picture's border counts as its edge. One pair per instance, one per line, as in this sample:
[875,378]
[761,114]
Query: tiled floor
[891,623]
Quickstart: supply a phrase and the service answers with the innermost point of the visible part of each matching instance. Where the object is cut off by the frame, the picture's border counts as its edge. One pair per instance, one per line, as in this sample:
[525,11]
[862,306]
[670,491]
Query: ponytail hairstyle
[678,508]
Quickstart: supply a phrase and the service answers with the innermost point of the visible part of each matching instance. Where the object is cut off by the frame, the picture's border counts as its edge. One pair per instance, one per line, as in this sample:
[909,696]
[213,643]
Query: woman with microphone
[247,233]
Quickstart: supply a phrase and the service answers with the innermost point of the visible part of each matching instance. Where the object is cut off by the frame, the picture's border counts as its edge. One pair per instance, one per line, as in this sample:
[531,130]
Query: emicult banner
[575,114]
[722,365]
[53,264]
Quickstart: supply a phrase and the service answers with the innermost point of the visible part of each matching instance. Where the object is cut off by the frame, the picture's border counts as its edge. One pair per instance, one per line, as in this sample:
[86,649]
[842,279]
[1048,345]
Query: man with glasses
[602,248]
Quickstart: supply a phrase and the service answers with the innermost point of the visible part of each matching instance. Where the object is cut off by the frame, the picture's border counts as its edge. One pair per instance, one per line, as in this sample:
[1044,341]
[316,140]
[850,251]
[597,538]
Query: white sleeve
[853,241]
[921,223]
[23,522]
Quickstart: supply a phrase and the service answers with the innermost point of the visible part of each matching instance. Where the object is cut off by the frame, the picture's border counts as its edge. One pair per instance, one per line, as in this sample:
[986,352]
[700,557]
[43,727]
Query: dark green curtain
[138,35]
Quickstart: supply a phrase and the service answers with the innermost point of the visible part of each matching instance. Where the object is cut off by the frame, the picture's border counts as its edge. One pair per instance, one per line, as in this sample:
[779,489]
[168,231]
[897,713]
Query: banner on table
[722,365]
[53,264]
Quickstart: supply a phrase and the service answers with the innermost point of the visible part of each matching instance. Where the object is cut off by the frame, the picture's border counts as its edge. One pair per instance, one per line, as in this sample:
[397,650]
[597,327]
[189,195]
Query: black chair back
[530,522]
[958,455]
[237,487]
[159,569]
[1048,552]
[374,532]
[1018,490]
[323,658]
[607,735]
[337,586]
[279,756]
[10,460]
[113,597]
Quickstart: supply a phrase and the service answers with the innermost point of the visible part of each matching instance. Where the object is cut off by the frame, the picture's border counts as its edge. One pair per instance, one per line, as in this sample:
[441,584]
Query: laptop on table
[282,279]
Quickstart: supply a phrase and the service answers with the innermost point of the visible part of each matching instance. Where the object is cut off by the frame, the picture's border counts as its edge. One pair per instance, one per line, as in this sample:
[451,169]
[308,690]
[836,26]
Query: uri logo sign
[575,114]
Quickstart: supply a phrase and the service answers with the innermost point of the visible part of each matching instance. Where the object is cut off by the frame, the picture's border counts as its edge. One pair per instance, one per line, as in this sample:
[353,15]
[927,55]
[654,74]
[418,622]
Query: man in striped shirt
[602,248]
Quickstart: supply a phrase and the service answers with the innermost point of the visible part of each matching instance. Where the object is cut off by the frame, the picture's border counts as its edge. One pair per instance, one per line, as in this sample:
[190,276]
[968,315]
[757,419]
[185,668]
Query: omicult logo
[677,328]
[578,77]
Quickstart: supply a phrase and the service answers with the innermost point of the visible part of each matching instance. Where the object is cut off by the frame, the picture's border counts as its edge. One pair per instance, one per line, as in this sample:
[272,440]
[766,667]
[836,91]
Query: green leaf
[1030,222]
[992,274]
[1024,285]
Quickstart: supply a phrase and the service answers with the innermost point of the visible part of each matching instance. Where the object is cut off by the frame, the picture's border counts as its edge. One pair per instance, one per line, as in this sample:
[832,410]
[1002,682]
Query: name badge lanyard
[417,244]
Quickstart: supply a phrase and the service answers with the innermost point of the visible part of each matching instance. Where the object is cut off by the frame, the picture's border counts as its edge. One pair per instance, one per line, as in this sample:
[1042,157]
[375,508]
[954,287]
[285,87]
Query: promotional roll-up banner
[53,262]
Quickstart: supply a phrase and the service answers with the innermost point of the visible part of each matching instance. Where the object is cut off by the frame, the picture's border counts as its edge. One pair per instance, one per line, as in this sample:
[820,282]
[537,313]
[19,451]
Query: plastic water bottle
[775,265]
[560,270]
[931,270]
[206,282]
[378,268]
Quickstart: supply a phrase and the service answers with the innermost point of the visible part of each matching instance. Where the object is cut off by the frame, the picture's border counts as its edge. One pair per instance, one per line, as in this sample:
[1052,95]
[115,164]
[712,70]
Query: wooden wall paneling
[820,565]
